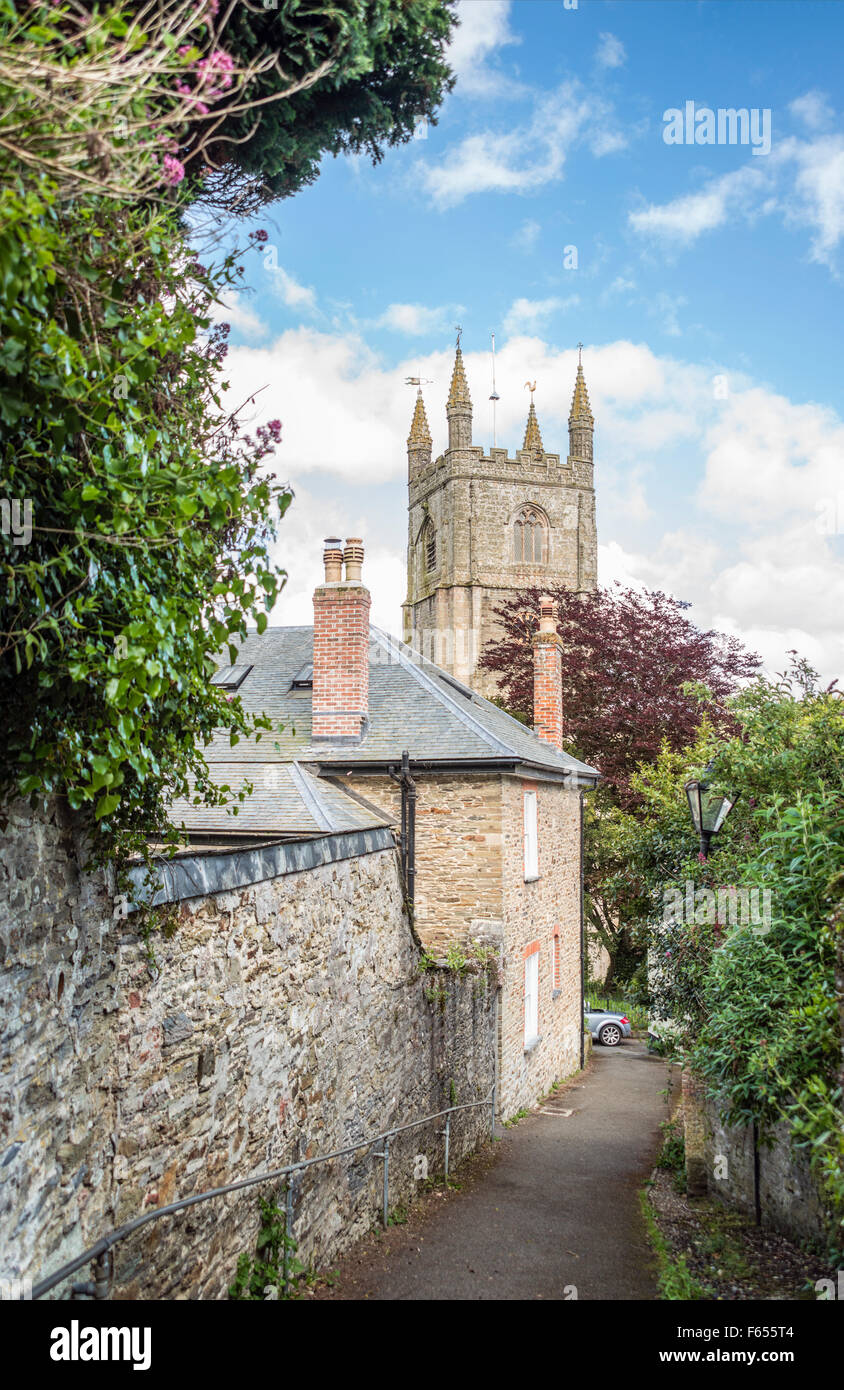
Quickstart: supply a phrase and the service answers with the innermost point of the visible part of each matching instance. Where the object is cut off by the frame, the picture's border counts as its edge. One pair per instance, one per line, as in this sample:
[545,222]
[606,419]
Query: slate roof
[413,705]
[285,799]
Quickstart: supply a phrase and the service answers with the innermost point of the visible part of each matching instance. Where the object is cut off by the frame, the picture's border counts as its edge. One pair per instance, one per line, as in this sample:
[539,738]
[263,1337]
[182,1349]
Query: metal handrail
[98,1251]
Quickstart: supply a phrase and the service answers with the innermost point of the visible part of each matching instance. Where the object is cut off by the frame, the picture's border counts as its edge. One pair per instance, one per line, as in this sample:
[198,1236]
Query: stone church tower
[482,526]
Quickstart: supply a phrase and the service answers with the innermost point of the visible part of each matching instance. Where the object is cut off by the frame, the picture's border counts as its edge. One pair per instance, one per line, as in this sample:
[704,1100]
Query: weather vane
[580,354]
[418,381]
[458,328]
[531,388]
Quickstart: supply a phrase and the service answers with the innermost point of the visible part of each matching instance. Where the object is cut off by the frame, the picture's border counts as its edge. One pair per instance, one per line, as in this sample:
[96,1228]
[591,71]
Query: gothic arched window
[429,546]
[529,537]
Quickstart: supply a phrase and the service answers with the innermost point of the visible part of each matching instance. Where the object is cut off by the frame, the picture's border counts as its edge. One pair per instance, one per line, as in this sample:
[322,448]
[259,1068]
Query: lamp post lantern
[709,809]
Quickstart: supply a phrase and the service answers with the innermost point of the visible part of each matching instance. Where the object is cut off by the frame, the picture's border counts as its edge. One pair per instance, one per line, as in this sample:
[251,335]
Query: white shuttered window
[531,841]
[531,997]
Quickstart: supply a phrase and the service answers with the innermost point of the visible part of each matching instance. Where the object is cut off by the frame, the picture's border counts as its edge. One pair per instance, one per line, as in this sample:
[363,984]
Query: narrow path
[557,1211]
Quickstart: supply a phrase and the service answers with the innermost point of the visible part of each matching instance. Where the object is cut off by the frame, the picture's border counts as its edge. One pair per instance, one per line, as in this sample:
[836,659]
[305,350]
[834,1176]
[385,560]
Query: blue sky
[704,280]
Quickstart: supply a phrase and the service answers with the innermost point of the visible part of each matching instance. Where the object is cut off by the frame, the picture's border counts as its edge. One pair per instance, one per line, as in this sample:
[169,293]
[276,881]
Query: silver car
[607,1028]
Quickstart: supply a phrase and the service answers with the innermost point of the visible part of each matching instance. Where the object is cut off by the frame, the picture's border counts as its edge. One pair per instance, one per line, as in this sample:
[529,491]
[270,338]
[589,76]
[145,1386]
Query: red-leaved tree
[634,672]
[633,668]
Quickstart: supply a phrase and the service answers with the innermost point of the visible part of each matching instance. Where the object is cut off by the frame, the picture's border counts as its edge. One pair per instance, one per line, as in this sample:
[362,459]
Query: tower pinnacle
[459,406]
[419,440]
[459,393]
[580,409]
[581,420]
[533,438]
[420,434]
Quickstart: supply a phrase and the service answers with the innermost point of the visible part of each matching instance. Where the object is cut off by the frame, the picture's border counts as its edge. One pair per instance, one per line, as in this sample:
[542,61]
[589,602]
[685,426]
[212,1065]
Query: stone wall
[534,912]
[280,1020]
[458,851]
[788,1197]
[470,884]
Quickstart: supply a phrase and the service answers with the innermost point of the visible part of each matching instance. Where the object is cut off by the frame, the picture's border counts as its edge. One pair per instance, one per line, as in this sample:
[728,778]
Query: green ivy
[757,1009]
[151,517]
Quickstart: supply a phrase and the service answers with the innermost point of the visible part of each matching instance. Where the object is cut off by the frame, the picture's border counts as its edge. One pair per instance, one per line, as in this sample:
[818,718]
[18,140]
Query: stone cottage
[497,853]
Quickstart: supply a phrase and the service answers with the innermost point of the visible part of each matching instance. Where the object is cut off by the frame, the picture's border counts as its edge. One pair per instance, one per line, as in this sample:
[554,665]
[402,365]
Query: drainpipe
[403,831]
[408,825]
[411,826]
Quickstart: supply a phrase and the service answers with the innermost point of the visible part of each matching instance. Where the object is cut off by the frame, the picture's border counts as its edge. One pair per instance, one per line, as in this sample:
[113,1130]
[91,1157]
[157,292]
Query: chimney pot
[546,614]
[353,556]
[332,556]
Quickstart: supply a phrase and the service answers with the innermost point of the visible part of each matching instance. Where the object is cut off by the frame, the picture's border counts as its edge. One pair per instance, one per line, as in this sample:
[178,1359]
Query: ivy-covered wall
[280,1020]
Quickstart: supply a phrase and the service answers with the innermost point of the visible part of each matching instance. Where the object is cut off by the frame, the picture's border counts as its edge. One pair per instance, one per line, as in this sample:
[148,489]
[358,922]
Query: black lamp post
[709,809]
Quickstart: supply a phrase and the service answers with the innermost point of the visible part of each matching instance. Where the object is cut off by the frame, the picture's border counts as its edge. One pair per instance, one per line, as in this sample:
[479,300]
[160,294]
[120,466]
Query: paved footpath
[559,1207]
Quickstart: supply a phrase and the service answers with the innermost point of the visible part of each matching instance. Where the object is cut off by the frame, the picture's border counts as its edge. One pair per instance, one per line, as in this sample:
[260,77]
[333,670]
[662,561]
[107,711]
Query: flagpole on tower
[494,397]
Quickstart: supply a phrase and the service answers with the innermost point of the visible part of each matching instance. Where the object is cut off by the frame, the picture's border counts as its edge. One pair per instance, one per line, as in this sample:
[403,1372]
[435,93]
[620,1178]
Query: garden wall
[788,1197]
[283,1016]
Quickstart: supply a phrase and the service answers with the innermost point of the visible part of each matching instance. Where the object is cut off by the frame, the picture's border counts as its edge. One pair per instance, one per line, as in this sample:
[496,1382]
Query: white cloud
[661,306]
[610,52]
[299,549]
[818,197]
[635,501]
[340,411]
[768,459]
[416,319]
[518,160]
[606,141]
[666,307]
[684,219]
[772,606]
[771,476]
[234,309]
[786,578]
[801,180]
[526,315]
[527,236]
[483,29]
[676,568]
[619,286]
[813,109]
[753,475]
[289,290]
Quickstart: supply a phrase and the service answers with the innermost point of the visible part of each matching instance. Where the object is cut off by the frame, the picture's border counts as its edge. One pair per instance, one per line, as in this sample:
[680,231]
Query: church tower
[483,526]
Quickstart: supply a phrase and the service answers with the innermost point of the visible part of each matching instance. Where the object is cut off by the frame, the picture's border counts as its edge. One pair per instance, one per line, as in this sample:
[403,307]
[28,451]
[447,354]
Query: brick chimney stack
[340,698]
[548,677]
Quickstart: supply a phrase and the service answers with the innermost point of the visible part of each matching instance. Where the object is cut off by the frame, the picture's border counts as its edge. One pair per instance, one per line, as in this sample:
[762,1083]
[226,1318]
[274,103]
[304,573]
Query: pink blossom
[218,64]
[173,170]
